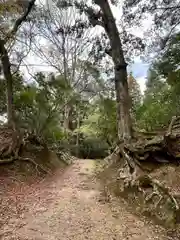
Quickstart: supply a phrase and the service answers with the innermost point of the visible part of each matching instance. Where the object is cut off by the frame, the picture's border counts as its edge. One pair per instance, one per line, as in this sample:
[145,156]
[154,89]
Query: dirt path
[66,207]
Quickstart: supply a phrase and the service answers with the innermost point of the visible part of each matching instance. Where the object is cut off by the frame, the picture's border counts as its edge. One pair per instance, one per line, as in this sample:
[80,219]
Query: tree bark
[67,117]
[120,69]
[77,134]
[66,77]
[9,82]
[7,65]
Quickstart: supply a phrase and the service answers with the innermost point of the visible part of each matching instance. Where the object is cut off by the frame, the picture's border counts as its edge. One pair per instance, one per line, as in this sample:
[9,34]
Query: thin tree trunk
[9,82]
[77,134]
[121,85]
[67,107]
[67,111]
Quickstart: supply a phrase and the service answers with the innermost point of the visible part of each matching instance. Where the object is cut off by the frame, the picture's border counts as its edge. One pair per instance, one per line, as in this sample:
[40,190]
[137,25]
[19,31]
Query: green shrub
[93,148]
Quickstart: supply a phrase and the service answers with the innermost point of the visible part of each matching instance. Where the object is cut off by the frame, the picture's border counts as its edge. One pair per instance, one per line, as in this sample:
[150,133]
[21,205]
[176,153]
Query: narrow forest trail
[65,206]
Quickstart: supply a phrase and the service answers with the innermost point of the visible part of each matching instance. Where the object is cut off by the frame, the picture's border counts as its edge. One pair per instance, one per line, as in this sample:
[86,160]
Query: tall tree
[104,18]
[62,30]
[6,65]
[120,68]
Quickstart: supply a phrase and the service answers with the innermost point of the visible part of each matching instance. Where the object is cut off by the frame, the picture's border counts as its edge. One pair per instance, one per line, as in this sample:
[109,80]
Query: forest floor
[67,206]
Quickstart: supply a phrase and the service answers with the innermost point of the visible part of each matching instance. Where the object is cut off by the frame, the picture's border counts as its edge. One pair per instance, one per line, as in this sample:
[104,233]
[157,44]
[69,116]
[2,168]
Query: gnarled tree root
[140,158]
[37,166]
[144,182]
[134,175]
[153,198]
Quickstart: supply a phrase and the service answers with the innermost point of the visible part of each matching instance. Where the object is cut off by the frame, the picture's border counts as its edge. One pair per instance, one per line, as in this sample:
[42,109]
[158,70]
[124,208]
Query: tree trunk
[6,63]
[121,85]
[67,117]
[66,77]
[77,134]
[9,82]
[123,108]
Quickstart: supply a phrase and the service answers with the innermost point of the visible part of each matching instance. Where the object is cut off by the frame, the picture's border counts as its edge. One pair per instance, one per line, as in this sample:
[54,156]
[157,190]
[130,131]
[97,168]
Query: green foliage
[154,112]
[37,105]
[101,121]
[161,100]
[160,103]
[37,108]
[135,95]
[168,64]
[17,87]
[93,148]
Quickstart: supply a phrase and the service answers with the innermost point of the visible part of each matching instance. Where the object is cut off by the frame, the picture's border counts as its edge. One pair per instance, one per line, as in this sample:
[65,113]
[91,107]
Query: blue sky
[139,70]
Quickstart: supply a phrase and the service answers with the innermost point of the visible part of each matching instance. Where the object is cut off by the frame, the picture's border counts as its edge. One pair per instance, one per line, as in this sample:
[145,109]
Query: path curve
[66,207]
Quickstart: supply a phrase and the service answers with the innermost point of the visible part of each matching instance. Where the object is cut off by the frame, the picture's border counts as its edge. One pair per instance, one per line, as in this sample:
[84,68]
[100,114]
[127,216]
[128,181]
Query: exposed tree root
[66,157]
[12,159]
[163,148]
[8,160]
[11,143]
[158,190]
[134,175]
[113,157]
[141,158]
[169,131]
[35,163]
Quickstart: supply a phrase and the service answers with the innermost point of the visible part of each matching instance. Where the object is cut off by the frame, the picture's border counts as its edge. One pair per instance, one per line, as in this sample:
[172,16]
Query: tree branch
[93,16]
[108,51]
[20,20]
[168,8]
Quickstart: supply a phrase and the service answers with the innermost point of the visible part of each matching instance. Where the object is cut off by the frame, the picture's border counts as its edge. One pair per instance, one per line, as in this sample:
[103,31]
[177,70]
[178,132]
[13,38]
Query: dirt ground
[66,206]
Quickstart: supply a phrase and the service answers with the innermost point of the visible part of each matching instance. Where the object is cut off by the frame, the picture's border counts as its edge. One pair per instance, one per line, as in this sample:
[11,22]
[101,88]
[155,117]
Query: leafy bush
[93,148]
